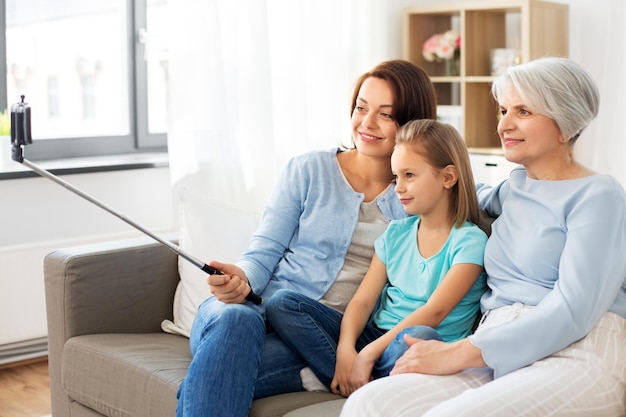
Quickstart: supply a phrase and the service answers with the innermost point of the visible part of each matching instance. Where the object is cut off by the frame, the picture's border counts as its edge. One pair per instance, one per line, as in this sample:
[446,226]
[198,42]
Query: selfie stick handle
[206,268]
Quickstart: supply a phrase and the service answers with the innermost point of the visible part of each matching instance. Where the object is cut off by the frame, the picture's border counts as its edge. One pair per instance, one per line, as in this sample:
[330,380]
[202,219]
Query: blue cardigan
[307,226]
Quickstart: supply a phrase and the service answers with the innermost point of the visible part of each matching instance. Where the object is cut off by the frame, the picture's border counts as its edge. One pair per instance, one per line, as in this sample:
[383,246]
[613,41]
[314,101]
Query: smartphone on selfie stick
[21,136]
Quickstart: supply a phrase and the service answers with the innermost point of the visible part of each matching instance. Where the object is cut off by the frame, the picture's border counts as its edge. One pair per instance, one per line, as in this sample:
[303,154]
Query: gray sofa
[107,353]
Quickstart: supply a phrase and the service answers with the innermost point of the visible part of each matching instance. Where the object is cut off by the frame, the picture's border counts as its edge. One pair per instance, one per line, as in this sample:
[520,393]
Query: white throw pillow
[209,230]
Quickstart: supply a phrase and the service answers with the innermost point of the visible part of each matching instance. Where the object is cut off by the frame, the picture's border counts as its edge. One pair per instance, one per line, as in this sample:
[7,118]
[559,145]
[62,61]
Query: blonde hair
[442,145]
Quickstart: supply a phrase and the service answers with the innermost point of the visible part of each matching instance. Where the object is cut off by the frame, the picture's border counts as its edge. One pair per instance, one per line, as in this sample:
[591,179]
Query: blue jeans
[311,329]
[234,361]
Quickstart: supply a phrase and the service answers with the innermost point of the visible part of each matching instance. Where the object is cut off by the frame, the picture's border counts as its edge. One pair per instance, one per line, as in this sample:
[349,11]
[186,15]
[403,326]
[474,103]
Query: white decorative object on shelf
[501,60]
[452,115]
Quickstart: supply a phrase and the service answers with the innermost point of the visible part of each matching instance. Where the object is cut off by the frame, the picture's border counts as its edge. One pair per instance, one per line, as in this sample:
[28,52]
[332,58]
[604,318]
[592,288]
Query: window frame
[138,140]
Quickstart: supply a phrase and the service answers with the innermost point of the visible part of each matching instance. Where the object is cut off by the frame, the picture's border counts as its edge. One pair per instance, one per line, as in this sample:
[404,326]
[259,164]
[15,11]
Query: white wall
[38,216]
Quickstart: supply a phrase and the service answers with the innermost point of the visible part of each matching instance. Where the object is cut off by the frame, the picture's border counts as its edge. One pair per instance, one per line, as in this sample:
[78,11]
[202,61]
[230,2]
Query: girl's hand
[343,369]
[438,358]
[230,288]
[362,369]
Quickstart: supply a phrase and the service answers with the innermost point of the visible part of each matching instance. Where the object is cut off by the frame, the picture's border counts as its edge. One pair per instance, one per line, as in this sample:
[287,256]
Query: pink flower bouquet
[442,46]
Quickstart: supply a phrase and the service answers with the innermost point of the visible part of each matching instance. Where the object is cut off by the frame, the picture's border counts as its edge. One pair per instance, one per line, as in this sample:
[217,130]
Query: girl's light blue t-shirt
[412,279]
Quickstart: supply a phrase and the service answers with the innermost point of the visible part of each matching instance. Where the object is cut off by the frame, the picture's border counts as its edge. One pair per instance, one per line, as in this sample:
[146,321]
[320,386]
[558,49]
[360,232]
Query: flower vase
[453,67]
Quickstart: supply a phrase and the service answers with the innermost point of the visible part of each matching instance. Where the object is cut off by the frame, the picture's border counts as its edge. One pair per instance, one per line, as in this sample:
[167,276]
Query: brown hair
[442,145]
[413,92]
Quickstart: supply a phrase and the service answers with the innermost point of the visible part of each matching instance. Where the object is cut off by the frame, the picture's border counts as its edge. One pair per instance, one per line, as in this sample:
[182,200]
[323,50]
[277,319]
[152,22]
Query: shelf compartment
[533,28]
[480,119]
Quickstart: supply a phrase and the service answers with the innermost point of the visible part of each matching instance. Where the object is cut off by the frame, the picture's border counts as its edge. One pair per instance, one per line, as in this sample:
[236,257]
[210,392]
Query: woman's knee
[215,318]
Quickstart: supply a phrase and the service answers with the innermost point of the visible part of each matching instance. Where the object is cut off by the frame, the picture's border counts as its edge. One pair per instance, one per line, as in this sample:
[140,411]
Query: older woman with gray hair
[552,339]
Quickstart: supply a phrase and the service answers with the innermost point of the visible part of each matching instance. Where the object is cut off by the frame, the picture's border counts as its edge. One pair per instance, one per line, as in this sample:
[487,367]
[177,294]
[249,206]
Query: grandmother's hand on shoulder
[434,357]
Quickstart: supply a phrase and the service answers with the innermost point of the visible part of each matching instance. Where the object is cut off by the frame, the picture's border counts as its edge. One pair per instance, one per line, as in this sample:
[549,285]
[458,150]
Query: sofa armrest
[115,287]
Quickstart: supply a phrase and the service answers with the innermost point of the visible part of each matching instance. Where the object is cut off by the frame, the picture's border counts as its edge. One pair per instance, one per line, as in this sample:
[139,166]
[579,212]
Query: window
[94,73]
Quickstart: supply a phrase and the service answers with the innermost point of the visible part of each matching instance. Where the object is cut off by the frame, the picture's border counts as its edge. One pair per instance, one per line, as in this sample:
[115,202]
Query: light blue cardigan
[558,246]
[307,226]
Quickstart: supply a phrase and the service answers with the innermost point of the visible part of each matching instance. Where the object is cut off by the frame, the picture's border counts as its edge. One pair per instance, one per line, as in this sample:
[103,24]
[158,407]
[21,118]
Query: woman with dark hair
[316,237]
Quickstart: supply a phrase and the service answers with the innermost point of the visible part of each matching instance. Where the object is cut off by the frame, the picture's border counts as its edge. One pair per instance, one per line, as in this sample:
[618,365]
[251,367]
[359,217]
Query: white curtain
[598,43]
[253,82]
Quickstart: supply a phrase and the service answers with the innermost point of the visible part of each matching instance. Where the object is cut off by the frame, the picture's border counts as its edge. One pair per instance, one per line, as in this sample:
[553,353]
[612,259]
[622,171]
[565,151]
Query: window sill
[10,169]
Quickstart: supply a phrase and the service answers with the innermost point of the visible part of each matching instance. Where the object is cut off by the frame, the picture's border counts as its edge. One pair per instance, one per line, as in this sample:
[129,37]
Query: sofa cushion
[209,230]
[126,374]
[278,405]
[326,409]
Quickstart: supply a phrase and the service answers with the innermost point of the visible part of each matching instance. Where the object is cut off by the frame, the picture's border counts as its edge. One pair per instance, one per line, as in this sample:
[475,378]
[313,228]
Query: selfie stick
[21,136]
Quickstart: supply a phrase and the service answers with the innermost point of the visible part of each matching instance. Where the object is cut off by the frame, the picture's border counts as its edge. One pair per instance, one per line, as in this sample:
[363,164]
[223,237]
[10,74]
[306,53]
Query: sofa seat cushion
[279,405]
[122,375]
[326,409]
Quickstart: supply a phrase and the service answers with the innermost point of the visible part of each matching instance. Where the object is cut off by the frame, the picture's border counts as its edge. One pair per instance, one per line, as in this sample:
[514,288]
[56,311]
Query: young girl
[428,268]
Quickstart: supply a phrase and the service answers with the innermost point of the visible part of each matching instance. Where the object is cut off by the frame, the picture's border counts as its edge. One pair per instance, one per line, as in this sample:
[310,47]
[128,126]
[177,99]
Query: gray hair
[558,88]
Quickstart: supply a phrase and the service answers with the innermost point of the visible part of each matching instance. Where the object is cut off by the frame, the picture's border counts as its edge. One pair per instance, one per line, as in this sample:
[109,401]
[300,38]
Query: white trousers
[586,379]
